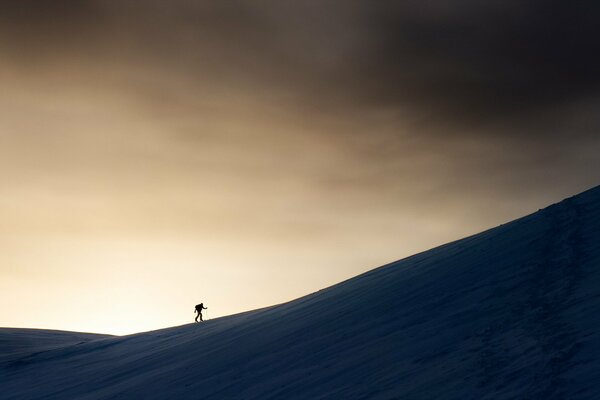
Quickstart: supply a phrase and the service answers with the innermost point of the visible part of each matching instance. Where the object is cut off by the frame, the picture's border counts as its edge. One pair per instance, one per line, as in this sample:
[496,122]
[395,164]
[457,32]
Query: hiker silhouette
[199,309]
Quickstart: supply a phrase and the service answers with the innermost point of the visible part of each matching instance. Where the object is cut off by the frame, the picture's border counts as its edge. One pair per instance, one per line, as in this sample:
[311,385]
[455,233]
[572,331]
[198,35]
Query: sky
[158,154]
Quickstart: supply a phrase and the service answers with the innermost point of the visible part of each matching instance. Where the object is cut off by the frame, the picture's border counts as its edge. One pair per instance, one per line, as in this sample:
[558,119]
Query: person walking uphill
[199,309]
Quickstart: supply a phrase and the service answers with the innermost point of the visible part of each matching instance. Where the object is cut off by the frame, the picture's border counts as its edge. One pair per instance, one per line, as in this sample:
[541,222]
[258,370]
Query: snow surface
[510,313]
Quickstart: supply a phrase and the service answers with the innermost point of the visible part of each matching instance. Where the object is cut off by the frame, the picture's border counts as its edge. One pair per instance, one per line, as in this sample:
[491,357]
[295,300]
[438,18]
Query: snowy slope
[23,342]
[511,313]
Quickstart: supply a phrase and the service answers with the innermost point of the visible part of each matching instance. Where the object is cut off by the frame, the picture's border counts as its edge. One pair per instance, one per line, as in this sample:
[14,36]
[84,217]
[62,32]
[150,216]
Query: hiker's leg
[200,315]
[196,319]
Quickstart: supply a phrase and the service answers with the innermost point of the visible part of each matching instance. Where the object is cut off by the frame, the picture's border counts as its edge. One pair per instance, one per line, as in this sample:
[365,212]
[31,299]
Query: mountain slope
[23,342]
[512,312]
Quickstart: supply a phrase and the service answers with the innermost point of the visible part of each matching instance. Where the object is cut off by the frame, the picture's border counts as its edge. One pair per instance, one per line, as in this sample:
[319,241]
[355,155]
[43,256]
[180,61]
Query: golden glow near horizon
[150,161]
[119,221]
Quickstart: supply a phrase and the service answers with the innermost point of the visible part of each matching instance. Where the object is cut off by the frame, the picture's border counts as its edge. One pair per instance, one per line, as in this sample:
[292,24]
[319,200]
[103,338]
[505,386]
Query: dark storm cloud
[463,62]
[459,60]
[498,59]
[34,24]
[495,70]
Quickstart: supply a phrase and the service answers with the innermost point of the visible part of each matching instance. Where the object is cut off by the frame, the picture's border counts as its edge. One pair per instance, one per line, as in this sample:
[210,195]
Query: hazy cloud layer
[346,133]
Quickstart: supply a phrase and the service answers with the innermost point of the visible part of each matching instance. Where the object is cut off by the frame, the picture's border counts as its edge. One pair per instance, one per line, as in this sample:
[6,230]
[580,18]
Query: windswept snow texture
[511,313]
